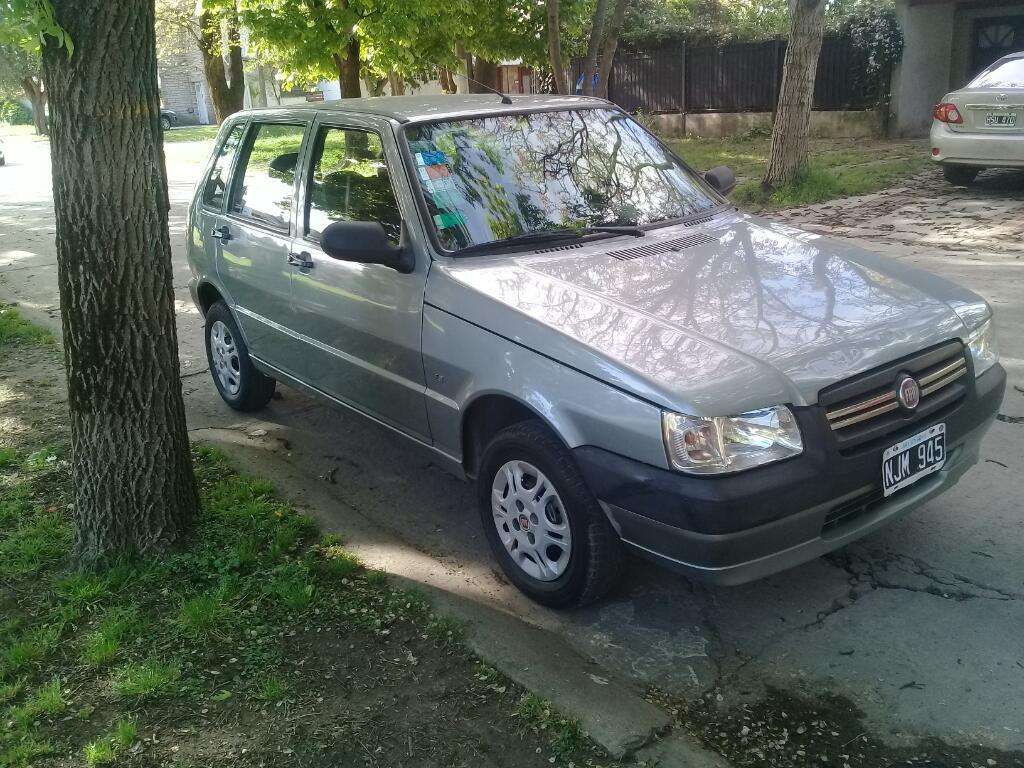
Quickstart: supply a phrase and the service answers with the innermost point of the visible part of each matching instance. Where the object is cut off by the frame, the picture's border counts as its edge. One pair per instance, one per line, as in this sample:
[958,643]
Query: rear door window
[349,182]
[264,189]
[216,185]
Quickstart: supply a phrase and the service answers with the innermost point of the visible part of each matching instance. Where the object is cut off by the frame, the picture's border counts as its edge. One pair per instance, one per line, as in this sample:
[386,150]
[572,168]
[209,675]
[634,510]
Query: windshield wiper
[558,233]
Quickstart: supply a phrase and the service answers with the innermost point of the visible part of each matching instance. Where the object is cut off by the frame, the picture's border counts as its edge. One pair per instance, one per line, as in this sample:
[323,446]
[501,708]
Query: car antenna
[505,99]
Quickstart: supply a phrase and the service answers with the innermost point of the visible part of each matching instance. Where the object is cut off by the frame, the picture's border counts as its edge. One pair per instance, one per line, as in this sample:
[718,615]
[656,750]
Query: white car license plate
[1001,119]
[909,460]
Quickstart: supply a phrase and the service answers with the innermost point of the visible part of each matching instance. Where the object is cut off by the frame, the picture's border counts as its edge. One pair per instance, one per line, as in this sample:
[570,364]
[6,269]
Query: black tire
[255,389]
[960,175]
[165,123]
[596,556]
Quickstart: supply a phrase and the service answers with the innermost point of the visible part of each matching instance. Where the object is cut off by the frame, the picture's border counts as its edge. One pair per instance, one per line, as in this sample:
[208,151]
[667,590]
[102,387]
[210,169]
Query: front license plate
[1001,119]
[908,461]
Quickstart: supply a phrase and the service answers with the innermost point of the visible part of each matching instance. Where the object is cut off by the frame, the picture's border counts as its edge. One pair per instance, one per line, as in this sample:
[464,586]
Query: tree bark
[227,95]
[347,64]
[134,489]
[33,87]
[796,95]
[555,48]
[485,73]
[396,83]
[610,46]
[463,73]
[593,45]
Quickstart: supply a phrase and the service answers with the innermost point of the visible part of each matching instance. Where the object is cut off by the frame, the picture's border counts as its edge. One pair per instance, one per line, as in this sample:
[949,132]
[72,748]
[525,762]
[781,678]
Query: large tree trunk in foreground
[227,84]
[610,46]
[593,45]
[555,47]
[33,87]
[793,114]
[134,490]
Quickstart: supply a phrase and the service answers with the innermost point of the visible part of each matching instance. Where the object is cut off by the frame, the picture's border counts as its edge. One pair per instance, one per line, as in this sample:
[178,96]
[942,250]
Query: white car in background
[982,125]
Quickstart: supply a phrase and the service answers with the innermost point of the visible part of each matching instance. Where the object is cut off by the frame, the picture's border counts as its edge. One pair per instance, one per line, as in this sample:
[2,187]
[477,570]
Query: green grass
[105,750]
[538,715]
[46,700]
[14,329]
[103,645]
[145,680]
[836,168]
[269,688]
[191,133]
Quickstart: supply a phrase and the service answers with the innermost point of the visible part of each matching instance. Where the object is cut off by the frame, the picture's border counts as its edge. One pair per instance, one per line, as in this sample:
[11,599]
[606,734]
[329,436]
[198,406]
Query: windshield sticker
[436,171]
[449,220]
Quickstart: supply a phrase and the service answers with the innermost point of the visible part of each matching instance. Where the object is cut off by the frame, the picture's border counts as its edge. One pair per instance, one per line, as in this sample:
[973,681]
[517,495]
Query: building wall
[923,75]
[180,69]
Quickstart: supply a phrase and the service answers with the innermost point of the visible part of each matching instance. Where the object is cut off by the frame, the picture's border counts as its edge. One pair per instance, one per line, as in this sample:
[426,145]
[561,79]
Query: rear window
[1008,74]
[216,185]
[264,189]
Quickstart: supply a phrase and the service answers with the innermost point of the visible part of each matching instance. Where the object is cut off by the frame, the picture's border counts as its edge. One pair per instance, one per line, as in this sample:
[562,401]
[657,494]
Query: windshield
[1009,74]
[493,178]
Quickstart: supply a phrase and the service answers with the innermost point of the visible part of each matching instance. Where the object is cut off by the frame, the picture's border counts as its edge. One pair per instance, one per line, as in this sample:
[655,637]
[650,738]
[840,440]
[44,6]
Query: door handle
[302,259]
[221,233]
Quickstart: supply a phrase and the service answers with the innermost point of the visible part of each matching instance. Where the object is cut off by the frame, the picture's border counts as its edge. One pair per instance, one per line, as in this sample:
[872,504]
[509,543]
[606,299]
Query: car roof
[407,109]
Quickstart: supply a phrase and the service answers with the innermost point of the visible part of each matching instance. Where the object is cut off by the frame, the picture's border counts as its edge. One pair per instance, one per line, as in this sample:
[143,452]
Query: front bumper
[981,150]
[737,528]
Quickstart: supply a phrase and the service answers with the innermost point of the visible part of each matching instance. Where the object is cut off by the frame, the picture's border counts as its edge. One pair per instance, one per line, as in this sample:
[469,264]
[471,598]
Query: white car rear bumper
[977,149]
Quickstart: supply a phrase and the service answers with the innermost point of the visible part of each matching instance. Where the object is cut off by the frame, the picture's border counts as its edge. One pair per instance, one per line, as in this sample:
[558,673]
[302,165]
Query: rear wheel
[960,175]
[165,122]
[240,385]
[544,525]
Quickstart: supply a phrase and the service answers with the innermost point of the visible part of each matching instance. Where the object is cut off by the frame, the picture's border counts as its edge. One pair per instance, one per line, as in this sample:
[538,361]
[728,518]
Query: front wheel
[165,123]
[240,385]
[960,175]
[544,525]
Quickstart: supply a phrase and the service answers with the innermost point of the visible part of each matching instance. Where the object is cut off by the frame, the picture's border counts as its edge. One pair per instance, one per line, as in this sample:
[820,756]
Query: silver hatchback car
[555,305]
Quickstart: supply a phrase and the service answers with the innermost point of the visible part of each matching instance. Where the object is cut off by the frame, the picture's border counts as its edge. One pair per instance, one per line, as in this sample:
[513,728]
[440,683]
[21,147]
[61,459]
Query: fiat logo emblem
[908,393]
[1001,97]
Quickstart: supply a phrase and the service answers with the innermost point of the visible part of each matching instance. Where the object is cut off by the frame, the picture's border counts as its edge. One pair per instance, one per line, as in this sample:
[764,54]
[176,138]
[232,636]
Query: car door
[361,322]
[254,235]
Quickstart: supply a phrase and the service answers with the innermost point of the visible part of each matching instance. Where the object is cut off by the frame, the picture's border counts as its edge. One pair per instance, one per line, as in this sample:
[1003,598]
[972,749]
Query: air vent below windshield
[665,246]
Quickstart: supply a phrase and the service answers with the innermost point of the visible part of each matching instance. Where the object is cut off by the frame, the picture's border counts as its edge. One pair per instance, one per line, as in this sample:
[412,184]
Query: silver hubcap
[224,355]
[531,520]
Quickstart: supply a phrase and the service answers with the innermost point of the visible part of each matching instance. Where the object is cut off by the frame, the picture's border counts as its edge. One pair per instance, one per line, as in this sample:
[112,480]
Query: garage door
[993,38]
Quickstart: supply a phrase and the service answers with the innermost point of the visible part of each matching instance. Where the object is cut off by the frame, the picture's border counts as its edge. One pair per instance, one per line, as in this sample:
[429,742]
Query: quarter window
[349,182]
[265,190]
[217,182]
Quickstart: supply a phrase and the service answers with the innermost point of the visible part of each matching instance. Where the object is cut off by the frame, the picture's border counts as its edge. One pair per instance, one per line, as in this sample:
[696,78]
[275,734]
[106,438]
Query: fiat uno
[560,309]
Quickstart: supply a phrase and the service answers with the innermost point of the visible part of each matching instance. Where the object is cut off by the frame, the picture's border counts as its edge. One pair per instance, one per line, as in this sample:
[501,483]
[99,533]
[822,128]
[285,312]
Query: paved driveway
[915,631]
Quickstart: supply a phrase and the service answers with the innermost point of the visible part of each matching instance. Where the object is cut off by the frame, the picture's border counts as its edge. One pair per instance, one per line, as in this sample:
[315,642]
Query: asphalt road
[919,625]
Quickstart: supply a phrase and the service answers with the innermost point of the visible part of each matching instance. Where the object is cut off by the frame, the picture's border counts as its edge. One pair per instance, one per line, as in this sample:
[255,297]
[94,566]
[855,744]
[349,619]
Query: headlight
[982,345]
[704,445]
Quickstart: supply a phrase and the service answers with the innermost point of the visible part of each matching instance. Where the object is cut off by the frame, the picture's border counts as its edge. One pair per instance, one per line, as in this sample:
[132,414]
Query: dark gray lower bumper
[714,529]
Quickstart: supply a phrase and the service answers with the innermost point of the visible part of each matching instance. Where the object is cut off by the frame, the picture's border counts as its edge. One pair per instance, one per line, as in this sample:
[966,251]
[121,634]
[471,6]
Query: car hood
[735,314]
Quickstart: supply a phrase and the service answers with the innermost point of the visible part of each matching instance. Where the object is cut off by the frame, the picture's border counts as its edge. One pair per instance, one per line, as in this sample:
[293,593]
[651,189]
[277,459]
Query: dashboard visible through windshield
[497,178]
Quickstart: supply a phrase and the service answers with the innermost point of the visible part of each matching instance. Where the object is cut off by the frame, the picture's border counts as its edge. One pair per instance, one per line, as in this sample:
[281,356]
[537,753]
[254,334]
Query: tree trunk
[596,37]
[134,490]
[396,83]
[555,48]
[610,46]
[485,73]
[33,88]
[796,94]
[463,73]
[347,64]
[227,96]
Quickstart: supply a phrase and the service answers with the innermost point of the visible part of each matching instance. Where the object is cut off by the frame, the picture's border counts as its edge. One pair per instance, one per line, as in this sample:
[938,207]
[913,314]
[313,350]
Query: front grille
[865,408]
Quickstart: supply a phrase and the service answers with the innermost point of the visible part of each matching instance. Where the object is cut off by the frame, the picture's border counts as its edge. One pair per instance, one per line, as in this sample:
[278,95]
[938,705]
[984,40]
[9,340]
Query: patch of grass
[82,588]
[445,630]
[204,616]
[538,715]
[14,329]
[145,680]
[105,750]
[30,648]
[102,645]
[9,458]
[10,691]
[191,133]
[46,700]
[336,563]
[290,587]
[269,688]
[17,752]
[41,458]
[39,541]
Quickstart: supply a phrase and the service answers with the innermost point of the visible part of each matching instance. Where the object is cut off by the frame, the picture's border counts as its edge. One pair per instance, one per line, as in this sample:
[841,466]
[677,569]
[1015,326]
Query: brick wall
[180,68]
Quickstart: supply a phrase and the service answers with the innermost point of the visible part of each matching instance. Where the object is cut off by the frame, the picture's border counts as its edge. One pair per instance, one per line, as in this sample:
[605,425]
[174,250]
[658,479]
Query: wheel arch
[487,414]
[206,294]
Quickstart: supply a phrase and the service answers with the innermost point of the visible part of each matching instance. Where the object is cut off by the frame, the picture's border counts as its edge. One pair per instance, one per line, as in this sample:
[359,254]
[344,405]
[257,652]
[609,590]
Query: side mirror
[365,242]
[721,178]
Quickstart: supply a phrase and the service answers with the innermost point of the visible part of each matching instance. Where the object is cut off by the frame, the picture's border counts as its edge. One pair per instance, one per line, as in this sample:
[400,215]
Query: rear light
[935,151]
[947,113]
